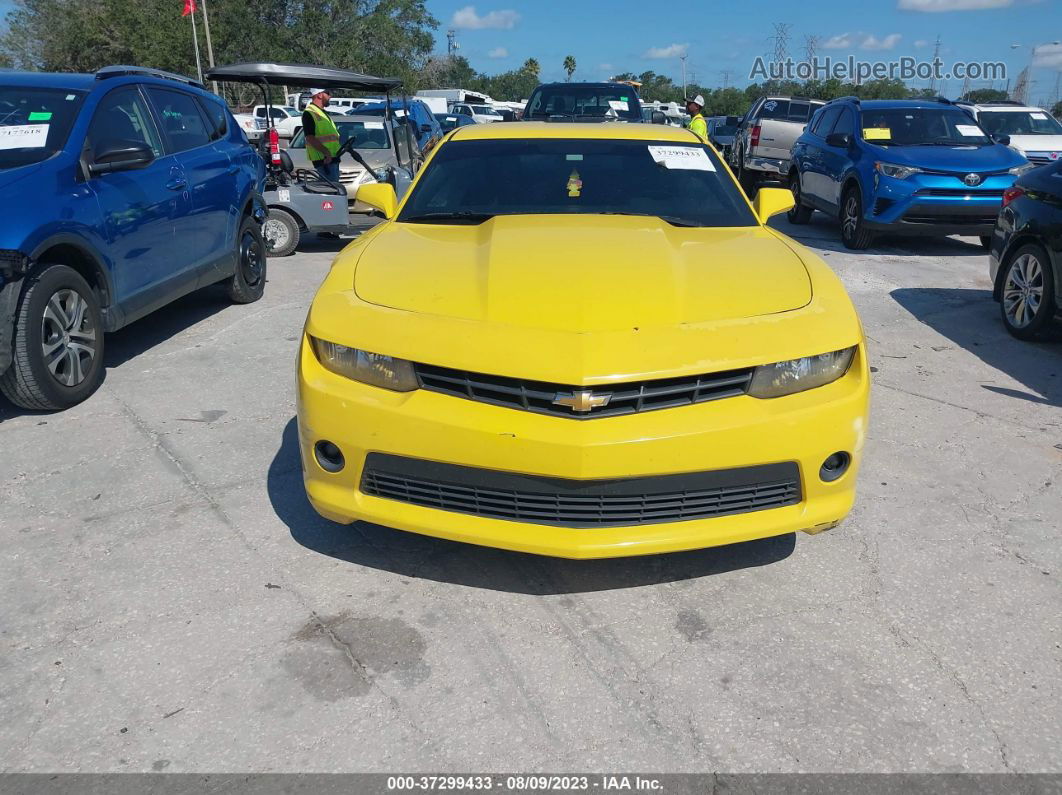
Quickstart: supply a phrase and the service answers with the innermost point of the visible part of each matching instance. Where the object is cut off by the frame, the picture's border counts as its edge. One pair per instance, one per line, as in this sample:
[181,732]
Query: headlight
[797,375]
[374,369]
[1019,170]
[382,174]
[893,170]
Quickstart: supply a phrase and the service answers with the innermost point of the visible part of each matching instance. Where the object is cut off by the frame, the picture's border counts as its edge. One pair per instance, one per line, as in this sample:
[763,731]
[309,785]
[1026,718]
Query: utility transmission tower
[1022,86]
[936,56]
[451,43]
[811,46]
[683,59]
[781,41]
[725,74]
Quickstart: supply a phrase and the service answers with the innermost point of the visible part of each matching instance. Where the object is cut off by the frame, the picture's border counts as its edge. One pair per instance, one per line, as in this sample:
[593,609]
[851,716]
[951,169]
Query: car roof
[598,131]
[609,83]
[885,104]
[992,106]
[60,80]
[356,117]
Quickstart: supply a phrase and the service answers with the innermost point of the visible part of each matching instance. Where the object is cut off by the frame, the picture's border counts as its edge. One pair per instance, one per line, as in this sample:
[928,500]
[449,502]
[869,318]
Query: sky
[612,36]
[722,39]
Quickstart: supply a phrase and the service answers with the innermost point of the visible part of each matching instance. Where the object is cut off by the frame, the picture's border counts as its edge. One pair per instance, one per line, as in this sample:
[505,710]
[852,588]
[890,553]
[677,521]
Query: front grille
[349,177]
[580,503]
[627,398]
[951,220]
[966,193]
[1041,158]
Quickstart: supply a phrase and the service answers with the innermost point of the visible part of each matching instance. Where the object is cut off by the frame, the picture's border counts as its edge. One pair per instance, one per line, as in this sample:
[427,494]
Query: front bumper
[935,204]
[726,434]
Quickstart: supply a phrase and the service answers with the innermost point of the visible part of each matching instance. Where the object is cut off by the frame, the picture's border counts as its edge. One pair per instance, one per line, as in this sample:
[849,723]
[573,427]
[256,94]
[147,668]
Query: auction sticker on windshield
[618,104]
[876,134]
[682,157]
[373,125]
[28,136]
[969,130]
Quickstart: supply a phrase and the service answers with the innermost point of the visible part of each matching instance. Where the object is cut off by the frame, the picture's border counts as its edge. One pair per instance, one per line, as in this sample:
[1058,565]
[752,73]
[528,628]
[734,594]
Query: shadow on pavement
[823,232]
[970,319]
[434,559]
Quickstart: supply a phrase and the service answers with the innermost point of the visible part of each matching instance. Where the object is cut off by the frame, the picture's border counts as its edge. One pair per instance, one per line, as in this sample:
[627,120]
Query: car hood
[9,176]
[377,158]
[1037,143]
[962,159]
[581,273]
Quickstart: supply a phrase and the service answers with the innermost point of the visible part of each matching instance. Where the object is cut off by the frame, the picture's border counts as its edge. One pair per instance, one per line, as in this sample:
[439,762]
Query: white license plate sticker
[687,158]
[24,136]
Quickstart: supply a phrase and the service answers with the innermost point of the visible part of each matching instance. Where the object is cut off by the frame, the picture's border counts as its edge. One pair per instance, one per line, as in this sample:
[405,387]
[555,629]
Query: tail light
[1012,193]
[756,135]
[274,146]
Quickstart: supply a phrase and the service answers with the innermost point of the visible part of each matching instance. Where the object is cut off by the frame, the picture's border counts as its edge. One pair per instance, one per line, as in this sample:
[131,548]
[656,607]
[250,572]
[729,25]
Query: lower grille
[961,193]
[628,398]
[580,503]
[951,220]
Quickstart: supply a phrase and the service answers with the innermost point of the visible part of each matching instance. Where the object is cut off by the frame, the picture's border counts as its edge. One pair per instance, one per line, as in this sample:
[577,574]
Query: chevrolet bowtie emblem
[582,400]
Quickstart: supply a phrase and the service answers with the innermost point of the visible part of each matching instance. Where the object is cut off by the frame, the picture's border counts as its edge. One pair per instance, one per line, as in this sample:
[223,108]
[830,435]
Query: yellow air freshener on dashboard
[575,185]
[877,134]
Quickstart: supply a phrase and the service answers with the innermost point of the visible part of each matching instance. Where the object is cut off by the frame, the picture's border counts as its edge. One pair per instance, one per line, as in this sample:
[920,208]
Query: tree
[986,95]
[1056,111]
[569,65]
[531,67]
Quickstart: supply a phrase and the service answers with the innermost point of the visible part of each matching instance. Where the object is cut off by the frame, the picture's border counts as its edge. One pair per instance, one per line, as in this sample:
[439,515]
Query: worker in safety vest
[322,137]
[698,124]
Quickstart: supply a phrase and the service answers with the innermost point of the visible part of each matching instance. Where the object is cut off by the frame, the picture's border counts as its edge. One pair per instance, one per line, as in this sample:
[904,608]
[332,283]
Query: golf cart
[299,199]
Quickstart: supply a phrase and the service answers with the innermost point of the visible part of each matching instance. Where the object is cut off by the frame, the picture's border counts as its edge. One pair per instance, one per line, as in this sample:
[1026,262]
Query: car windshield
[484,110]
[921,127]
[470,181]
[724,129]
[35,123]
[291,111]
[366,134]
[1019,122]
[583,100]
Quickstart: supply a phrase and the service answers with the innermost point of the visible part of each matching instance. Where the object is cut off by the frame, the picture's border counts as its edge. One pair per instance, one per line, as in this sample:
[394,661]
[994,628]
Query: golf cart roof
[290,74]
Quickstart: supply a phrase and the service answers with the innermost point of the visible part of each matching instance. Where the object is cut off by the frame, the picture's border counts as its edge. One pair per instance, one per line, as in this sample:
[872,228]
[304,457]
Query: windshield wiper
[459,217]
[674,220]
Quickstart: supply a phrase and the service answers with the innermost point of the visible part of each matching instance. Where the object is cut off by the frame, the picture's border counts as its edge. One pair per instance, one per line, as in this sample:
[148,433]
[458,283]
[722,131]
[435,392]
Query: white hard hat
[315,91]
[697,100]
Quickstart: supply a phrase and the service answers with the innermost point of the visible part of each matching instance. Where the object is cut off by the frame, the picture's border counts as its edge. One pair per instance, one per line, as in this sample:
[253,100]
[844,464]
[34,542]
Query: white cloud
[605,67]
[874,43]
[951,5]
[671,51]
[865,41]
[498,52]
[842,41]
[1048,55]
[921,43]
[468,19]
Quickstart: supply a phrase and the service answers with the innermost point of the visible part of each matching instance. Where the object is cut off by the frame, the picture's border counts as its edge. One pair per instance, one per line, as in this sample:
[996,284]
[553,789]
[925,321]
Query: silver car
[374,140]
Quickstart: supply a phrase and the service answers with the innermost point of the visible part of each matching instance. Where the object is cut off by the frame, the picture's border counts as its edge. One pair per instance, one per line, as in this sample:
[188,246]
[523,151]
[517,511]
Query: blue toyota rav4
[903,166]
[121,191]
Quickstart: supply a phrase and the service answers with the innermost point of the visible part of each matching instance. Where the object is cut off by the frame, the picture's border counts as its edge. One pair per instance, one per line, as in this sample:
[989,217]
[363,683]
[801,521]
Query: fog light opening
[329,457]
[834,466]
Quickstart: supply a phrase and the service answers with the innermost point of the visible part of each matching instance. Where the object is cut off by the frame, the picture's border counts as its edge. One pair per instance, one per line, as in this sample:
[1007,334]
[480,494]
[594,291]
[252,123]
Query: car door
[837,160]
[142,208]
[811,165]
[202,235]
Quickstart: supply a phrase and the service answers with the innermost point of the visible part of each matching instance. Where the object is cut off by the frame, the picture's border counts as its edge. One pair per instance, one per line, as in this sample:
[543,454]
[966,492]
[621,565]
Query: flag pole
[195,44]
[210,47]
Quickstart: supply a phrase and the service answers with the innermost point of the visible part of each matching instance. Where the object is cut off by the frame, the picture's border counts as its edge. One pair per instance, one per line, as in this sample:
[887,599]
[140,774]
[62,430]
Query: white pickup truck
[766,134]
[287,120]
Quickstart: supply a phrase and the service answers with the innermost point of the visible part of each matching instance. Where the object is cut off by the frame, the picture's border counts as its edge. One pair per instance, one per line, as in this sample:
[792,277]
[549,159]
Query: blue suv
[904,166]
[425,127]
[122,191]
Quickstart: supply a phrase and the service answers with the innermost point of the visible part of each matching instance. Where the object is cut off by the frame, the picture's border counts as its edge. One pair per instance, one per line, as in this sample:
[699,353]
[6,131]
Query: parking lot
[171,601]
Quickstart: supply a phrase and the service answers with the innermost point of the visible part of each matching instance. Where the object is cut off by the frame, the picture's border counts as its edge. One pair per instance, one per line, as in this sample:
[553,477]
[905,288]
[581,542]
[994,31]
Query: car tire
[1028,292]
[58,351]
[798,213]
[280,233]
[854,233]
[248,282]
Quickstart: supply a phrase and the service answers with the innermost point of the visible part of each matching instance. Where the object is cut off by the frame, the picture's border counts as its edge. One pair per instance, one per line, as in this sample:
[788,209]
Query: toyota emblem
[972,179]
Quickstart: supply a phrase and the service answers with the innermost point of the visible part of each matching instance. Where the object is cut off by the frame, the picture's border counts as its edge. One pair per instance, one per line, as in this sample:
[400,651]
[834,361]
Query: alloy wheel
[1023,290]
[275,234]
[68,337]
[851,216]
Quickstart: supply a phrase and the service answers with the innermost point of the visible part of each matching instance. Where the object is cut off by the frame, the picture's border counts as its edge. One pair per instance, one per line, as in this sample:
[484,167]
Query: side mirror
[771,201]
[840,140]
[999,138]
[658,117]
[380,196]
[114,156]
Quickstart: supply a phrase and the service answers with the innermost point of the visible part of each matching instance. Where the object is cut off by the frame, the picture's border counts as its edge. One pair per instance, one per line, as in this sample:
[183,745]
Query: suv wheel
[58,356]
[280,232]
[1028,298]
[248,283]
[798,213]
[854,233]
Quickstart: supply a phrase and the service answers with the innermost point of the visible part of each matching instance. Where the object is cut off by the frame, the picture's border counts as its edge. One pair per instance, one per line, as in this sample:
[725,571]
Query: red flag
[189,8]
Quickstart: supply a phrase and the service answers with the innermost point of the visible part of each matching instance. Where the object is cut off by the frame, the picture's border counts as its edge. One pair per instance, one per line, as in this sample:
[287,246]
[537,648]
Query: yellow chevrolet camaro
[581,340]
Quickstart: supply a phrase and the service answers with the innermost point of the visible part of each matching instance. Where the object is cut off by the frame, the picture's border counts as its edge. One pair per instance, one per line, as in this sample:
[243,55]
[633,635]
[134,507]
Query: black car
[583,102]
[1025,256]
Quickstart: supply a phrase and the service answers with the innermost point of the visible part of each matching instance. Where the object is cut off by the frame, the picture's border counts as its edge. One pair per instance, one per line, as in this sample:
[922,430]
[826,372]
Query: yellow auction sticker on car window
[877,134]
